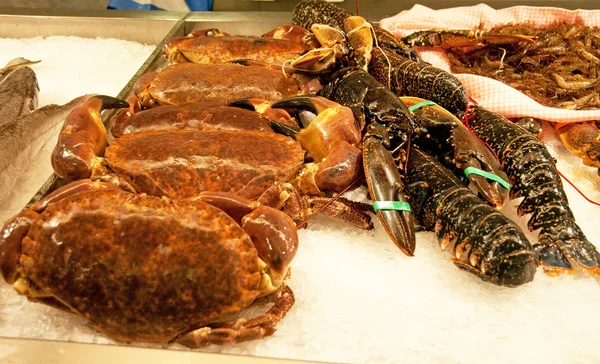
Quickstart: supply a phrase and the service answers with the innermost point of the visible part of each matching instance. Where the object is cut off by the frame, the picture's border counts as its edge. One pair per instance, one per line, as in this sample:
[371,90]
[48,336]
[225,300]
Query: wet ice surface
[358,298]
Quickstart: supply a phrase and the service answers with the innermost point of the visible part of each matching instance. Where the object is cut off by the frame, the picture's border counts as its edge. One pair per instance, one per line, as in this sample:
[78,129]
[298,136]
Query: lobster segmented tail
[483,240]
[533,175]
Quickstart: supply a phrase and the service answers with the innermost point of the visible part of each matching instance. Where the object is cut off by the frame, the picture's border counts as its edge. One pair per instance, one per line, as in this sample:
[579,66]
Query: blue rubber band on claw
[391,205]
[421,104]
[491,176]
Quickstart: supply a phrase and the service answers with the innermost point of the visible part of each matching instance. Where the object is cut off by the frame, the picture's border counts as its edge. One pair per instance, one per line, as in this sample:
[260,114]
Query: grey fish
[22,138]
[18,90]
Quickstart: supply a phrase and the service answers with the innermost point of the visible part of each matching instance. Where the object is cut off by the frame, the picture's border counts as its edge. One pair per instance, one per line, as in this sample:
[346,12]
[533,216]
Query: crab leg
[263,107]
[242,330]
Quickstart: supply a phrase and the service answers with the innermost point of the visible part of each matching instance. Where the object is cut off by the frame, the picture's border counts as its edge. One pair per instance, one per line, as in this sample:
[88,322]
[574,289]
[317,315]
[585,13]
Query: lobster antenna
[357,7]
[332,200]
[577,189]
[465,121]
[384,55]
[283,67]
[407,154]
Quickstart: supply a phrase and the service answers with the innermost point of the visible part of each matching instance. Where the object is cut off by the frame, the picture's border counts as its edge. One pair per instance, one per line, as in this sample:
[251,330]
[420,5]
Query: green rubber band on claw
[472,170]
[391,205]
[421,104]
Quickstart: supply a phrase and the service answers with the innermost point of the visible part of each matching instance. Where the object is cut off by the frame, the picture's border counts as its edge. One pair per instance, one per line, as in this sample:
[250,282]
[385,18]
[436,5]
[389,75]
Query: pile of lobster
[186,209]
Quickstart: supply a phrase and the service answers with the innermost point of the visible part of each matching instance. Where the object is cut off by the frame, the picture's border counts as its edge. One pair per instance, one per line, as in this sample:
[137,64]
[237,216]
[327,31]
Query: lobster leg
[385,184]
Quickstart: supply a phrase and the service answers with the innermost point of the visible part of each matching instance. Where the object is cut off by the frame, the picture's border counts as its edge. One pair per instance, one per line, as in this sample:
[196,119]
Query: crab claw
[295,34]
[360,37]
[333,47]
[82,139]
[272,232]
[330,138]
[333,124]
[264,108]
[385,184]
[109,102]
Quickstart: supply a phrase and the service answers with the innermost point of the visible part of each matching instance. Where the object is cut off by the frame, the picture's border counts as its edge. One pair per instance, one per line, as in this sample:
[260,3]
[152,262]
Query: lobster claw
[466,152]
[385,184]
[492,191]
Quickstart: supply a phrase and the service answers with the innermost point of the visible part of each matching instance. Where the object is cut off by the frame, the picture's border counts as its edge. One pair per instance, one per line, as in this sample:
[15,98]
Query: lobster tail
[483,241]
[533,174]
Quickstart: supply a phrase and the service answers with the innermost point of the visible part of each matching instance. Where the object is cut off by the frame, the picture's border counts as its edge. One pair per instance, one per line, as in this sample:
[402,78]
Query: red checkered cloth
[491,94]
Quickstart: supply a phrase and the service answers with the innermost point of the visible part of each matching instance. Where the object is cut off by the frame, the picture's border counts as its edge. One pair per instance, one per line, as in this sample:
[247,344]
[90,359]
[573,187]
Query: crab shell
[198,116]
[581,139]
[183,163]
[211,46]
[177,163]
[217,83]
[139,268]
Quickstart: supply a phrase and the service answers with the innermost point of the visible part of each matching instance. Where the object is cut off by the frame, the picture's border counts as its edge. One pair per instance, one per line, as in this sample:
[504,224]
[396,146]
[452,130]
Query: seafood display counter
[358,298]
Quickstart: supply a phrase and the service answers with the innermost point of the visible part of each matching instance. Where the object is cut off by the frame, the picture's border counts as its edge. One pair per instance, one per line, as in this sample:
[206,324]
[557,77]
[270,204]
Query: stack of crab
[219,157]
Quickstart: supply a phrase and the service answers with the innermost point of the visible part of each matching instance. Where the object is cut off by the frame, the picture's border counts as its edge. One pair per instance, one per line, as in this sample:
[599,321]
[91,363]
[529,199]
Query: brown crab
[146,269]
[290,47]
[185,158]
[218,83]
[210,46]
